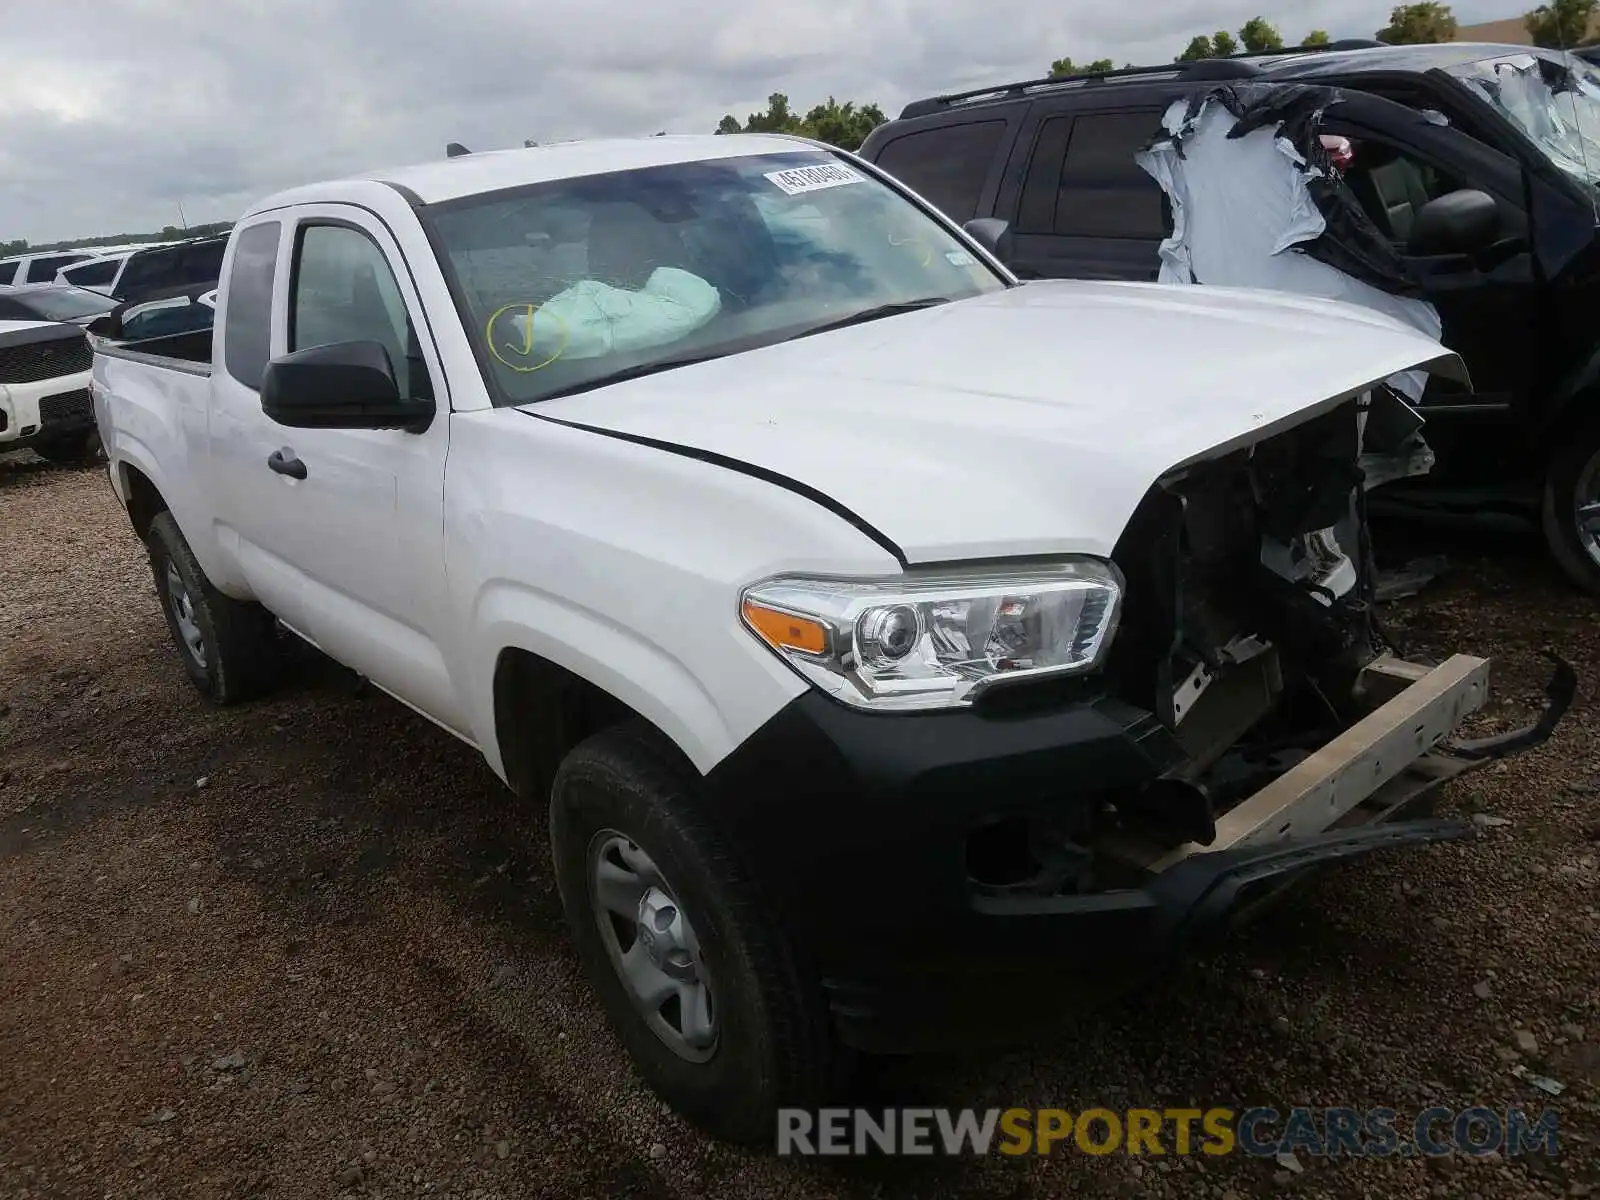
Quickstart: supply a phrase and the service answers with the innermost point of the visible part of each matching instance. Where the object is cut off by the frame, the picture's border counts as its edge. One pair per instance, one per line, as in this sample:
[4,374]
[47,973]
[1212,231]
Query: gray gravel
[312,948]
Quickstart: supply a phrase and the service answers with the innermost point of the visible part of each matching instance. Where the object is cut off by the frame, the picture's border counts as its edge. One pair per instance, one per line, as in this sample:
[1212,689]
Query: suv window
[1392,186]
[344,291]
[92,274]
[1083,180]
[247,332]
[147,271]
[202,263]
[947,166]
[43,270]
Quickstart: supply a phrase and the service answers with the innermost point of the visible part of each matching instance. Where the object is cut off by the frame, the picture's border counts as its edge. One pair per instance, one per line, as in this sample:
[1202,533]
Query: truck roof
[496,170]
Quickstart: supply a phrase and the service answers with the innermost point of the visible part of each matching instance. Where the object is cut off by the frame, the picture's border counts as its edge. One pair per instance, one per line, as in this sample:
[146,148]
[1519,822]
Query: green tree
[844,125]
[1198,48]
[1223,45]
[1065,66]
[1317,37]
[1419,24]
[1259,37]
[1560,24]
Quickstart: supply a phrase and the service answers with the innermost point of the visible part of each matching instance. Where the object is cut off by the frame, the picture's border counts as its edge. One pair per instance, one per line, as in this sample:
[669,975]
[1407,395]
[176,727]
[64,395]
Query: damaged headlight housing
[938,640]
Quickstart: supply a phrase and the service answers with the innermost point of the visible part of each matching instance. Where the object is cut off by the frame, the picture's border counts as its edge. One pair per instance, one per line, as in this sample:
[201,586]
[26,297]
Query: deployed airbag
[591,319]
[1256,203]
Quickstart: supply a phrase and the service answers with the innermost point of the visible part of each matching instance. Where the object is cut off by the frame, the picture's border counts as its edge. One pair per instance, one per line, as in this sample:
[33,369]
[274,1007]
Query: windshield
[66,303]
[570,284]
[1555,101]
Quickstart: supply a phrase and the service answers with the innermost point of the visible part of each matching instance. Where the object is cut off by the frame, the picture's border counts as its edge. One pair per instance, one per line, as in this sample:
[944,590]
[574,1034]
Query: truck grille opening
[38,361]
[68,407]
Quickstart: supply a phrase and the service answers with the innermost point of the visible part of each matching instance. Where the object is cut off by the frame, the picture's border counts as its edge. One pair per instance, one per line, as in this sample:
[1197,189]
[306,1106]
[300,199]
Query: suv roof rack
[1236,66]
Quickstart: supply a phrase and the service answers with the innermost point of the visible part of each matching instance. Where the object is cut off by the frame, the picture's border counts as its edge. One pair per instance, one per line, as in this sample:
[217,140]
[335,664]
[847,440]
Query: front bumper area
[48,408]
[858,827]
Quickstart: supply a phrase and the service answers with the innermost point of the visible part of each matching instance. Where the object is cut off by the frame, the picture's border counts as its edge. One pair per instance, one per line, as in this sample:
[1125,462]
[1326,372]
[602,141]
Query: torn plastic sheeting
[591,318]
[1256,203]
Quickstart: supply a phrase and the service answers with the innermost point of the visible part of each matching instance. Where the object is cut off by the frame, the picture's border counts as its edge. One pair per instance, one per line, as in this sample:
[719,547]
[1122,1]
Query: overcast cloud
[114,111]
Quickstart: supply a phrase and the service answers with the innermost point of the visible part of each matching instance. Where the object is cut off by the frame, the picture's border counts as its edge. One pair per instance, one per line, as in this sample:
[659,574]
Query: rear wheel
[228,647]
[1571,513]
[698,979]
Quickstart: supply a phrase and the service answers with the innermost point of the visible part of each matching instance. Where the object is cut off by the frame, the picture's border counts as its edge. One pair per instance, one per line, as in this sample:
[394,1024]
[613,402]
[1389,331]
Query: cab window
[344,291]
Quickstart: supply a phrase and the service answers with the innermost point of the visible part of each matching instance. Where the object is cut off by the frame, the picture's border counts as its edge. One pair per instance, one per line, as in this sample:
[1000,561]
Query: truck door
[340,531]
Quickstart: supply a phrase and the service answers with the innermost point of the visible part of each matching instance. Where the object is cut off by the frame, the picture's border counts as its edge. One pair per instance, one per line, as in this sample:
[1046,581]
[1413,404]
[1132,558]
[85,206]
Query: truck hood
[1027,422]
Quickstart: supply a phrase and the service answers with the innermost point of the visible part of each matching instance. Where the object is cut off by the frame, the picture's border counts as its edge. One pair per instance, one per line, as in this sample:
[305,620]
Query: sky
[115,112]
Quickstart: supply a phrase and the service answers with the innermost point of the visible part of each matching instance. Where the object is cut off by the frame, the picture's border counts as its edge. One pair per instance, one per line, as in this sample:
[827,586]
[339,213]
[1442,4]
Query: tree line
[1559,25]
[171,233]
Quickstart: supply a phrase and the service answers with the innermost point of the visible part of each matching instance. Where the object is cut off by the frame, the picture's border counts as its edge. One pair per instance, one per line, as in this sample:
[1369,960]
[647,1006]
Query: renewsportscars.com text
[1257,1132]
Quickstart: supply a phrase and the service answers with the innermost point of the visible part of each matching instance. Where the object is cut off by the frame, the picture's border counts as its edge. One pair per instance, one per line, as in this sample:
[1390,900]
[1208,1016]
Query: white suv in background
[98,274]
[38,268]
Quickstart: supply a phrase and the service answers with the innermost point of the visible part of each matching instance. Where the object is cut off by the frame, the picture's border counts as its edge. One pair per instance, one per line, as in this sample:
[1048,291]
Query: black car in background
[182,264]
[1495,218]
[53,302]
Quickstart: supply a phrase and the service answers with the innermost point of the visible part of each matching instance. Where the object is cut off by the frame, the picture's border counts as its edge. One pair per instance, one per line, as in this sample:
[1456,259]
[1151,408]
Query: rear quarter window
[947,166]
[247,322]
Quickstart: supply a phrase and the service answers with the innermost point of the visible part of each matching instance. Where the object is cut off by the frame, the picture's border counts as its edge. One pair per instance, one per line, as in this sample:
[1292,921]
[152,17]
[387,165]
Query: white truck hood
[1027,422]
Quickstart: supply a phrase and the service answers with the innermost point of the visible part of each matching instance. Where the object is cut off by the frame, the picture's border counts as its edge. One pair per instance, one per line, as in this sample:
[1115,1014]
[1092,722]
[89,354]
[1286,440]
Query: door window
[948,166]
[1392,186]
[43,270]
[93,274]
[1083,181]
[344,291]
[148,271]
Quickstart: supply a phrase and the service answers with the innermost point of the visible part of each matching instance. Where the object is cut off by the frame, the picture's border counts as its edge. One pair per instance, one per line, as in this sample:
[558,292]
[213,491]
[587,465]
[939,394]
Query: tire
[1573,477]
[772,1045]
[76,449]
[228,647]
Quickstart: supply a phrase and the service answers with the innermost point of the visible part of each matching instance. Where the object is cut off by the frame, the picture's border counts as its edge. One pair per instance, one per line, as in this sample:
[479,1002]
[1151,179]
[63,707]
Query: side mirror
[1463,222]
[101,327]
[348,385]
[993,234]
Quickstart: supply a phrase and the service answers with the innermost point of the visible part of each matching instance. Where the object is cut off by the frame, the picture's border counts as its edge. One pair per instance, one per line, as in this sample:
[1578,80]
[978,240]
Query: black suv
[183,264]
[1511,261]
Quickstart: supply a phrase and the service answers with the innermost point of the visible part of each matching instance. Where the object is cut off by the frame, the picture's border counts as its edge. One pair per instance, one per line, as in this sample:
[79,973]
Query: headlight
[938,640]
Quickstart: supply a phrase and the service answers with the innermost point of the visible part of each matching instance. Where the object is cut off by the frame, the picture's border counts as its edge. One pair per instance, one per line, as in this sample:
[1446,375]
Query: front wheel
[696,975]
[1571,511]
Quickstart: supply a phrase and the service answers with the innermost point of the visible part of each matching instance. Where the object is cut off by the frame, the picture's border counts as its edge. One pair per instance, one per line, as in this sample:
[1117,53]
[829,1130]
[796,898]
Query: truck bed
[186,352]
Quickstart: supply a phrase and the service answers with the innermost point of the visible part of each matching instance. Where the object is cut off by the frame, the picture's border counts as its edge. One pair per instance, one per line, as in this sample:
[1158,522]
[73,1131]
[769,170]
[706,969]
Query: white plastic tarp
[1241,206]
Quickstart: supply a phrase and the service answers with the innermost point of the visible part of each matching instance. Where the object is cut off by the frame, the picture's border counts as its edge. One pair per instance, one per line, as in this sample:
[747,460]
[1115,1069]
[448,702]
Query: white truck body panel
[1025,423]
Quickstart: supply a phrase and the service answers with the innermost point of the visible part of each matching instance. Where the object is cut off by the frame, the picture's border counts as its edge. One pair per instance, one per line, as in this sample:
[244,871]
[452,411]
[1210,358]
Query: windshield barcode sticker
[798,180]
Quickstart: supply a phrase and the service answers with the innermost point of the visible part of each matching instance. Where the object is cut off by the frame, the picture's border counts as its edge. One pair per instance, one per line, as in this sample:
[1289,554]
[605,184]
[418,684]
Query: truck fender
[130,452]
[622,663]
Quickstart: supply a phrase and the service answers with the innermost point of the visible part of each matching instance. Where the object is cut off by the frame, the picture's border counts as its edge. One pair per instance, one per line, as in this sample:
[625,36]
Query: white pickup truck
[903,652]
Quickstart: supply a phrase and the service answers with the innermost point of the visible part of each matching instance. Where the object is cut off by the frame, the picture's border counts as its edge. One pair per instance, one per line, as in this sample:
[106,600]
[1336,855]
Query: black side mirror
[1463,222]
[102,327]
[993,234]
[348,385]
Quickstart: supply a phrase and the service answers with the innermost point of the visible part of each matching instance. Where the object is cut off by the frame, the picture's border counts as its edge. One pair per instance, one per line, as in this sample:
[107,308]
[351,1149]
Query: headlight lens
[921,641]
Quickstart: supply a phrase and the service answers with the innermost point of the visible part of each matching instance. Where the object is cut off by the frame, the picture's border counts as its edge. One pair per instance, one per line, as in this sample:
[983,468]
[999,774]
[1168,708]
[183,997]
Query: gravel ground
[311,947]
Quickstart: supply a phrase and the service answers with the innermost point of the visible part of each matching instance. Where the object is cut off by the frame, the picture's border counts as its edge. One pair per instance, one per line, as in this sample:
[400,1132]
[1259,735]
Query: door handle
[284,462]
